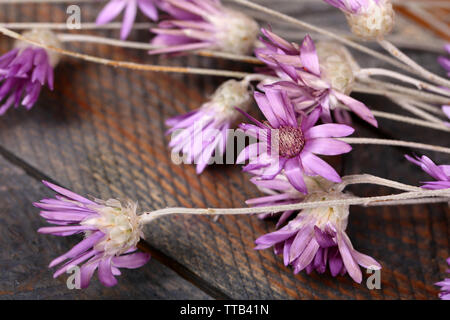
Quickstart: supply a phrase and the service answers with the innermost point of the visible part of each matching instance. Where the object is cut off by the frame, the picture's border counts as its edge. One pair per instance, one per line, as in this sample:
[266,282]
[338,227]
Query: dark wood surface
[101,133]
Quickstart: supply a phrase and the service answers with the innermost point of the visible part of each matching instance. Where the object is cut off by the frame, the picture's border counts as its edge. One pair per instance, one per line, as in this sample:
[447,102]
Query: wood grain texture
[101,132]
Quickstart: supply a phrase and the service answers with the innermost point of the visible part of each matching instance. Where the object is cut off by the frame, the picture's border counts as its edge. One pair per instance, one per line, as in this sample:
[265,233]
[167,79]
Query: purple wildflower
[439,172]
[111,233]
[316,238]
[23,72]
[279,192]
[202,133]
[368,19]
[115,7]
[445,286]
[201,24]
[445,61]
[305,79]
[290,144]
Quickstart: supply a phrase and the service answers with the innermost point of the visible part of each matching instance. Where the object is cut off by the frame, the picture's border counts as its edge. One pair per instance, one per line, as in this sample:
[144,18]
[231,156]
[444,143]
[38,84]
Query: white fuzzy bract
[119,223]
[374,22]
[46,37]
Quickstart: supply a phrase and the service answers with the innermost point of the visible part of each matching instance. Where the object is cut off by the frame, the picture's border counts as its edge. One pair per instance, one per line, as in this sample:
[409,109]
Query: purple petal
[309,57]
[110,11]
[131,261]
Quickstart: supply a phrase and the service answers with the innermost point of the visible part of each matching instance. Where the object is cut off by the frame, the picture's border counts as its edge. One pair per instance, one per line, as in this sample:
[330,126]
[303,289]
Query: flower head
[291,144]
[368,19]
[200,24]
[440,173]
[115,7]
[111,232]
[25,69]
[280,192]
[202,133]
[313,79]
[316,238]
[445,286]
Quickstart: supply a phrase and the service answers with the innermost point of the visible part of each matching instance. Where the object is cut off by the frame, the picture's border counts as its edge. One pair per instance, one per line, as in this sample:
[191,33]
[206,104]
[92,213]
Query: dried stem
[125,64]
[395,52]
[409,120]
[389,89]
[365,201]
[396,143]
[405,104]
[148,46]
[370,179]
[63,26]
[395,75]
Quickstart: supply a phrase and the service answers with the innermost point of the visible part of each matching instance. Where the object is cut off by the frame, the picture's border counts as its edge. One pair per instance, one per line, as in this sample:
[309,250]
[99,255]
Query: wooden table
[101,133]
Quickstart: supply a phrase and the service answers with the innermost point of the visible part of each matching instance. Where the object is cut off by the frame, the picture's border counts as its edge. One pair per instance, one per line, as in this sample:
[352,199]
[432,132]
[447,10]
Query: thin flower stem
[310,27]
[411,202]
[390,89]
[370,179]
[428,107]
[365,201]
[395,52]
[128,65]
[411,108]
[63,26]
[395,75]
[148,46]
[409,120]
[396,143]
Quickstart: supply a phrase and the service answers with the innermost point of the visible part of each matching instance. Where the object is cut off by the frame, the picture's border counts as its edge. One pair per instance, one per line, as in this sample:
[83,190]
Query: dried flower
[111,232]
[200,24]
[311,80]
[281,192]
[368,19]
[285,143]
[202,133]
[440,173]
[444,61]
[115,7]
[316,238]
[25,69]
[445,286]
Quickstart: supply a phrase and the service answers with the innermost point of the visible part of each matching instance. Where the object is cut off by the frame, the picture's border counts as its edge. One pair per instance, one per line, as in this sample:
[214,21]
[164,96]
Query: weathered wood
[101,132]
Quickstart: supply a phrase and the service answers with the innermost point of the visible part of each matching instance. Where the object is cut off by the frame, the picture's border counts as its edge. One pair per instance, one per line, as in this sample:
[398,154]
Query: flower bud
[46,37]
[374,21]
[337,65]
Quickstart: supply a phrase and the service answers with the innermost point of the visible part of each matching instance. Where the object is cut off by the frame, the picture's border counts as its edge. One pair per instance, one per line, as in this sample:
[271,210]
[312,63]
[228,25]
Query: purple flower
[202,133]
[316,238]
[445,286]
[280,192]
[111,232]
[445,61]
[23,72]
[115,7]
[440,173]
[291,144]
[201,24]
[305,80]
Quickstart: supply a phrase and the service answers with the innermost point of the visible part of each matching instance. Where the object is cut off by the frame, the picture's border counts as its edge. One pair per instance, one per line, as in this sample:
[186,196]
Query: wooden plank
[102,133]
